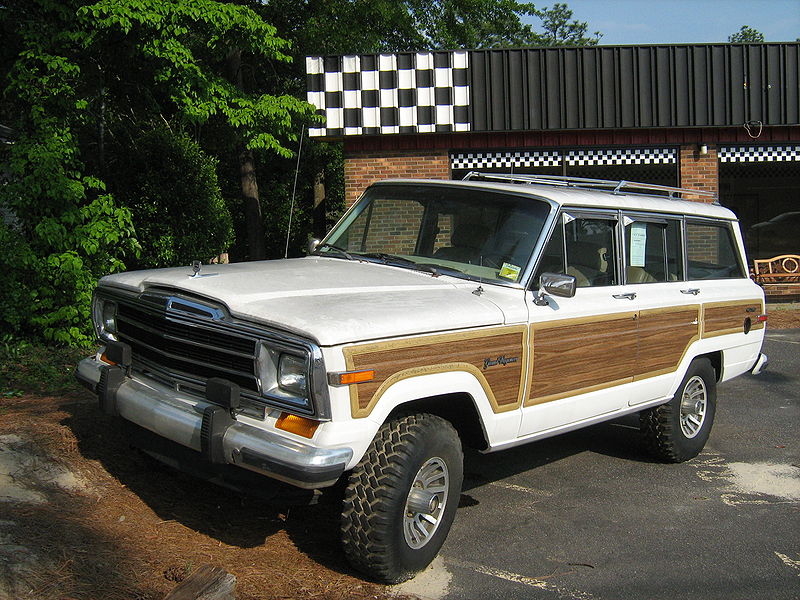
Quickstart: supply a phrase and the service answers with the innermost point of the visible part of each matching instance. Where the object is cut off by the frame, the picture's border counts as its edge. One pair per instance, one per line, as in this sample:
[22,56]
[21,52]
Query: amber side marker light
[350,377]
[107,360]
[297,425]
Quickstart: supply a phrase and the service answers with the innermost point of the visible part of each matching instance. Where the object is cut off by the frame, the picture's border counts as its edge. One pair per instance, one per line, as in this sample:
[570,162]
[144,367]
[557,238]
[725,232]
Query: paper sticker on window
[638,244]
[508,271]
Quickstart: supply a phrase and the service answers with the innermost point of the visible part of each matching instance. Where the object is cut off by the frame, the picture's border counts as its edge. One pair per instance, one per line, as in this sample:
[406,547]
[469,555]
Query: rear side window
[711,252]
[653,250]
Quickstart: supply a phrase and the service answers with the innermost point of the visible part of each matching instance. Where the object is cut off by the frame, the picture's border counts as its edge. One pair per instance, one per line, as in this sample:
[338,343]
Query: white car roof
[580,197]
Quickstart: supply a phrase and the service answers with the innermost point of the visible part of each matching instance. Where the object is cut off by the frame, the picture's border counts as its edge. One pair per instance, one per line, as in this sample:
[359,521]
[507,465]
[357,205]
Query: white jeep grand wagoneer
[492,312]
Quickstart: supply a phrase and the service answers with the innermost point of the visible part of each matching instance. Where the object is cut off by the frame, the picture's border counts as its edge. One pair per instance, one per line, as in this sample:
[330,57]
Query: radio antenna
[294,191]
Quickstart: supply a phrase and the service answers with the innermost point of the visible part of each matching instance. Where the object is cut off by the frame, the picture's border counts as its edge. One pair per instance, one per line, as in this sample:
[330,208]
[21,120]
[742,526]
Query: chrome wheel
[426,502]
[694,403]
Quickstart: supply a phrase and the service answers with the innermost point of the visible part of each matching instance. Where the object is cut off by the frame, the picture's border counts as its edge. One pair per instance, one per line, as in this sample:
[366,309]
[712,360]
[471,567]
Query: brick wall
[361,169]
[699,172]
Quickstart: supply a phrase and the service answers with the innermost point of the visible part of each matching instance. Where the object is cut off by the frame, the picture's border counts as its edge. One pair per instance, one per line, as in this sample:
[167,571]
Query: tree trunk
[320,226]
[252,207]
[256,245]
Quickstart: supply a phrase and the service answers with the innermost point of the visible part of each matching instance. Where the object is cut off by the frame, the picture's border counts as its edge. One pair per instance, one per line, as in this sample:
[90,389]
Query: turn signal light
[107,360]
[297,425]
[350,377]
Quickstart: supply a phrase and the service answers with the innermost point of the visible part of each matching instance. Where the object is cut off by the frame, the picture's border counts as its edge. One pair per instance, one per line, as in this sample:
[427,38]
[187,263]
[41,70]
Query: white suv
[491,312]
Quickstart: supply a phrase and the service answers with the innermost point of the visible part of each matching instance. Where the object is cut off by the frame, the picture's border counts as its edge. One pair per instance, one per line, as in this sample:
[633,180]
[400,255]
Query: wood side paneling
[720,318]
[664,337]
[579,355]
[497,357]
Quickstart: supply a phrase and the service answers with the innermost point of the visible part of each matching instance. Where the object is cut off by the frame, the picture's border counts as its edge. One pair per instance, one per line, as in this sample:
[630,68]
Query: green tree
[746,35]
[83,81]
[560,29]
[65,230]
[171,187]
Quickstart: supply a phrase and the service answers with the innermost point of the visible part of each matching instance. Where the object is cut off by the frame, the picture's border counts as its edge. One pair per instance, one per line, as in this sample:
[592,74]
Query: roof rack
[581,182]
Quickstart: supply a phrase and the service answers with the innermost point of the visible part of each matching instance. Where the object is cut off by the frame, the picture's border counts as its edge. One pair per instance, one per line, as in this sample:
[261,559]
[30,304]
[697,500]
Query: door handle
[692,291]
[625,296]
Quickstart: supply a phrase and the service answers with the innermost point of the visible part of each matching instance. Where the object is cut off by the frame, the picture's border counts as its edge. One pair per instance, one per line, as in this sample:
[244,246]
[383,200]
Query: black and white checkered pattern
[421,92]
[505,160]
[739,154]
[551,158]
[632,156]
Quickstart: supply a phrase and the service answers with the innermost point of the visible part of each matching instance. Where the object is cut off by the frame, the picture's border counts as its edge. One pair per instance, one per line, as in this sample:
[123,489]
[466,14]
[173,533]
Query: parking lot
[588,515]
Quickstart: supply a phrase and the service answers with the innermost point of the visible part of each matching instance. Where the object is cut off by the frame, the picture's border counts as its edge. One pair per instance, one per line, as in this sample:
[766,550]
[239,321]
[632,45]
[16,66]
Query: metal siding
[791,84]
[601,87]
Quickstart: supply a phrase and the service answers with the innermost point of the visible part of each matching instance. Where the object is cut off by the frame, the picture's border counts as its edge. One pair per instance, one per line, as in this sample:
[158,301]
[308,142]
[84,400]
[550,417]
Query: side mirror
[555,284]
[313,244]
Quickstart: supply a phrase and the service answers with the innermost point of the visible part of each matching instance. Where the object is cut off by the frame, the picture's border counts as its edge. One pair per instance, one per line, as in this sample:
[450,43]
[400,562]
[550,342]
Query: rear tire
[678,430]
[402,498]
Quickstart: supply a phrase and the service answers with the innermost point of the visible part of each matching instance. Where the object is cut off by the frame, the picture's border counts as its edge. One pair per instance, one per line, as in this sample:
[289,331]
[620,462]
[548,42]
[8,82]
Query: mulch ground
[140,528]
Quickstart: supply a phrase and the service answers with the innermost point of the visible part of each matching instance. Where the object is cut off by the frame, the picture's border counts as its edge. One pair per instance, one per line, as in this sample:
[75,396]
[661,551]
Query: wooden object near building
[205,583]
[779,276]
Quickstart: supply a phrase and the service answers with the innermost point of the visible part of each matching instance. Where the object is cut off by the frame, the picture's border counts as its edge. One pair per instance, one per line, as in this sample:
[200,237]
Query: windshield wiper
[340,251]
[399,261]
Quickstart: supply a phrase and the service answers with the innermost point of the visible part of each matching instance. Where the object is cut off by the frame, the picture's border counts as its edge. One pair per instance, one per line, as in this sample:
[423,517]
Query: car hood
[331,301]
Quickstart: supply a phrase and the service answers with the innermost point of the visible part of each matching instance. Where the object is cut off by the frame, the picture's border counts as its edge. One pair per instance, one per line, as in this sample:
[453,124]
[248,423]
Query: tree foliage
[82,82]
[560,29]
[746,35]
[171,187]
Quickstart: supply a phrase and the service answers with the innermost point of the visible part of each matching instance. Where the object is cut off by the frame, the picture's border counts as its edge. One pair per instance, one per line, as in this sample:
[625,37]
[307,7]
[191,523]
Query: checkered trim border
[499,160]
[633,156]
[421,92]
[553,158]
[739,154]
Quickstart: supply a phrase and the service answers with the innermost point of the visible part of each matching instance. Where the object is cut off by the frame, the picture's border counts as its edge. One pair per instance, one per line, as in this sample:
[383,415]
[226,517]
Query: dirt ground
[84,517]
[783,316]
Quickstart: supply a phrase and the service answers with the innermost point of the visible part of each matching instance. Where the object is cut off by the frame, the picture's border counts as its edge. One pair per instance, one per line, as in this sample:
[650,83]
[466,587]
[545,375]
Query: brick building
[716,117]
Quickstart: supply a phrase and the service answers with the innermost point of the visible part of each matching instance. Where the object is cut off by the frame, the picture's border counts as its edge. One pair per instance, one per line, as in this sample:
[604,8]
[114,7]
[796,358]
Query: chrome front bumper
[178,417]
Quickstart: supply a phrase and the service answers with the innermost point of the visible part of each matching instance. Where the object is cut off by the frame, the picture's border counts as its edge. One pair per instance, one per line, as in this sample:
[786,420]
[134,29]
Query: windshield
[467,232]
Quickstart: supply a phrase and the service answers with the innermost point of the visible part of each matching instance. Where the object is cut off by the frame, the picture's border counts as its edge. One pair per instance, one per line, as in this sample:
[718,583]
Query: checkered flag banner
[635,156]
[733,154]
[371,94]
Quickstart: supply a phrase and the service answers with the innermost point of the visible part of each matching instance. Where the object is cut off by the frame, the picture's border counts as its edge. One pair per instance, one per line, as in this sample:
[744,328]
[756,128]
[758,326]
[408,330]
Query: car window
[465,232]
[711,252]
[653,250]
[591,251]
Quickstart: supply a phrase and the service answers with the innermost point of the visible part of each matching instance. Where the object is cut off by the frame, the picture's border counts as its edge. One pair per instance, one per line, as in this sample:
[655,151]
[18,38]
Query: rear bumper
[760,365]
[179,417]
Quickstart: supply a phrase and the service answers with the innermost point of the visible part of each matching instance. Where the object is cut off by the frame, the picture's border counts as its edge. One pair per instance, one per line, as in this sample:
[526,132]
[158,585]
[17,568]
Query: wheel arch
[456,396]
[457,408]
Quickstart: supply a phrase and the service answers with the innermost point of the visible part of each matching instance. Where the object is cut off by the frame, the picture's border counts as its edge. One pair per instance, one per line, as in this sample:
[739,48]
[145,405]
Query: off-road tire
[661,427]
[375,501]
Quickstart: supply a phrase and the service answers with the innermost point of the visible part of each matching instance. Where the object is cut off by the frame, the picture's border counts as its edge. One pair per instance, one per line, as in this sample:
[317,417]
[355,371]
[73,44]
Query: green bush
[170,186]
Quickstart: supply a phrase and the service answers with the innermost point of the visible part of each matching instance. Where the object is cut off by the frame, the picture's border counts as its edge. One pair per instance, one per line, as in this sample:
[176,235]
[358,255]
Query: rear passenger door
[669,309]
[582,348]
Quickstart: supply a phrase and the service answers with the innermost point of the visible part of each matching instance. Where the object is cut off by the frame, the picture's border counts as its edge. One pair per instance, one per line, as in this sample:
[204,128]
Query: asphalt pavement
[589,516]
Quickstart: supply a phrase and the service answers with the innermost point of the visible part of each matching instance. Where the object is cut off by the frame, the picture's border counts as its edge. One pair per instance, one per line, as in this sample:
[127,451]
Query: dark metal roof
[548,89]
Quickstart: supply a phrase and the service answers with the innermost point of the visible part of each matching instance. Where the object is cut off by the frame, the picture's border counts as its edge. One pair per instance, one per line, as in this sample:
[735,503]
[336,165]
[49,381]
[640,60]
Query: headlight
[104,315]
[292,374]
[284,376]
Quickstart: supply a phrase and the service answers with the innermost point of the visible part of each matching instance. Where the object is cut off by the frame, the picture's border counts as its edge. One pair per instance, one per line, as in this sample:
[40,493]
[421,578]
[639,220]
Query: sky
[684,21]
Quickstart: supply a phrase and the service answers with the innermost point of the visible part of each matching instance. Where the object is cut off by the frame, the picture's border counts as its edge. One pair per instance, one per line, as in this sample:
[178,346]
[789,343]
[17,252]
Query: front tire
[402,497]
[678,430]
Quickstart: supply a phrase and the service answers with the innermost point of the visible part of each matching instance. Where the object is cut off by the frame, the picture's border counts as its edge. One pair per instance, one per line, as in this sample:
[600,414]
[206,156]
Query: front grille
[175,346]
